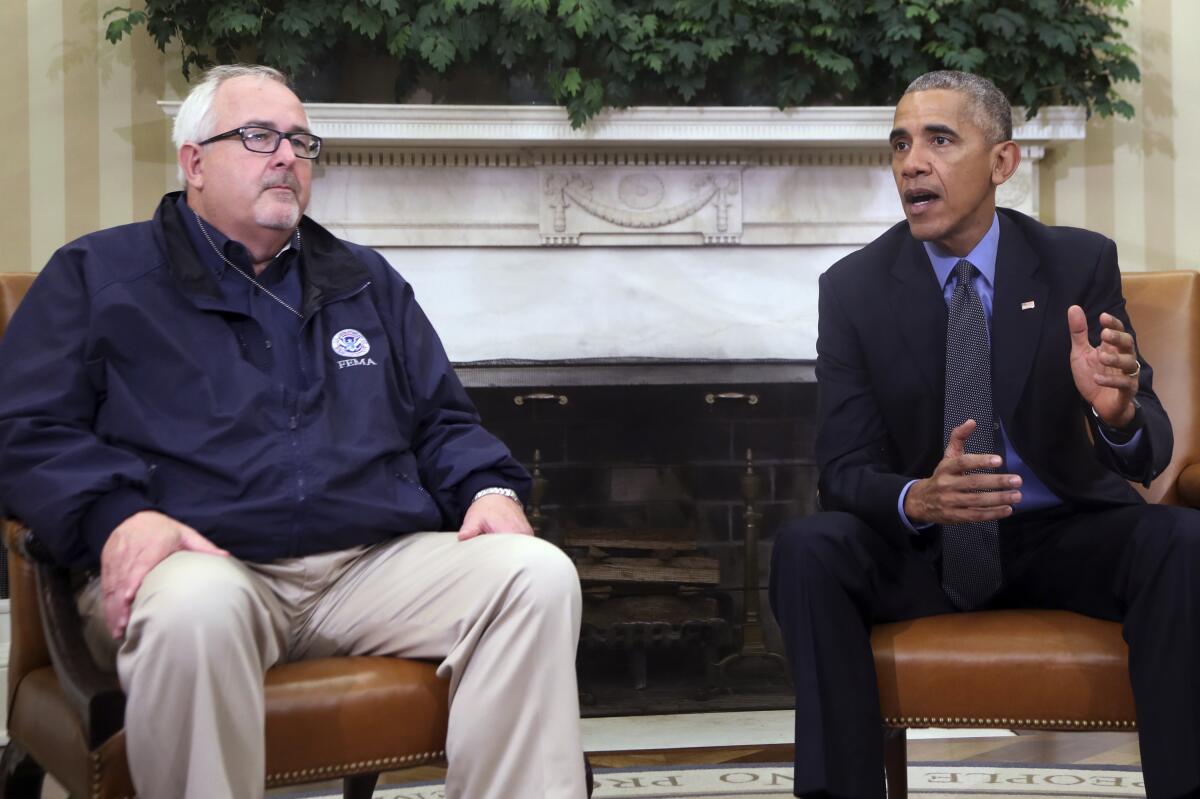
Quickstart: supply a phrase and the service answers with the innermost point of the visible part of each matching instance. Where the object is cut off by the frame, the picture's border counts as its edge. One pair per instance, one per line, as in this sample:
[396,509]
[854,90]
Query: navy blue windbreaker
[126,385]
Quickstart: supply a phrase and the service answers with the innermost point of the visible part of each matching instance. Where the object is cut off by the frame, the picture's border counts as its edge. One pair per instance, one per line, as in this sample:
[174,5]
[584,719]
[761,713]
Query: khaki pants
[501,612]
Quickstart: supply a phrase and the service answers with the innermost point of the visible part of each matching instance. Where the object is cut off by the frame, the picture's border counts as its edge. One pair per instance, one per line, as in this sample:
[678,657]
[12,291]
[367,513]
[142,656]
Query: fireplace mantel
[657,233]
[548,126]
[519,176]
[507,126]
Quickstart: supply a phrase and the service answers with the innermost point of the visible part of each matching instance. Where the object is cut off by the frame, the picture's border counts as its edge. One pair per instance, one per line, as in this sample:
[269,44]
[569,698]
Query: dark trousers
[832,577]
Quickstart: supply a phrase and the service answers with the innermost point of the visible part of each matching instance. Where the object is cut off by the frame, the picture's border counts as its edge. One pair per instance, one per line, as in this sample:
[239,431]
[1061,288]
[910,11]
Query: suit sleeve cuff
[108,512]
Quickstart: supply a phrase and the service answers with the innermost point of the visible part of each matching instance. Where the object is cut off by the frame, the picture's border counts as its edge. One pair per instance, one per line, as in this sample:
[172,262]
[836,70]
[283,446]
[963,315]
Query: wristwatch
[1121,435]
[504,492]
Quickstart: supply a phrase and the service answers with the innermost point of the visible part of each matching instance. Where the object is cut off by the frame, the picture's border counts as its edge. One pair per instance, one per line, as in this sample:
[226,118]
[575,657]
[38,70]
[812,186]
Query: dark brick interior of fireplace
[669,457]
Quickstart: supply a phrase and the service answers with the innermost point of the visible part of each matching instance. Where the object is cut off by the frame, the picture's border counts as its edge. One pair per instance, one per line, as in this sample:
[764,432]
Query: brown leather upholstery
[325,718]
[330,717]
[1189,485]
[1165,310]
[1046,669]
[12,290]
[1028,669]
[27,648]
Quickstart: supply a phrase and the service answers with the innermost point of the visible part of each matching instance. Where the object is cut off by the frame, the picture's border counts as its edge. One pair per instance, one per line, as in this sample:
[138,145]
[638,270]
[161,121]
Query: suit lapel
[1018,315]
[919,311]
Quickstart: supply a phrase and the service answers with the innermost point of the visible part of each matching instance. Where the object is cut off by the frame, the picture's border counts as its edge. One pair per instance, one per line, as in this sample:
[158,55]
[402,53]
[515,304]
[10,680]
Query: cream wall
[1136,180]
[84,146]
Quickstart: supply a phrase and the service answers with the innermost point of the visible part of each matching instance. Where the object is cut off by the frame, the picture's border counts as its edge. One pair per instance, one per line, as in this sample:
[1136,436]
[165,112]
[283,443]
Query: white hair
[194,122]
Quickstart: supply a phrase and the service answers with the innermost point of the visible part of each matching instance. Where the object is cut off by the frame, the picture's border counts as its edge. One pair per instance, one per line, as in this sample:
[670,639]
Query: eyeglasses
[266,140]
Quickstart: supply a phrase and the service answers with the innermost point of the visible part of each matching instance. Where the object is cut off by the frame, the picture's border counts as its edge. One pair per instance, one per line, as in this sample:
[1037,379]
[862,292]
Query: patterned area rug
[932,780]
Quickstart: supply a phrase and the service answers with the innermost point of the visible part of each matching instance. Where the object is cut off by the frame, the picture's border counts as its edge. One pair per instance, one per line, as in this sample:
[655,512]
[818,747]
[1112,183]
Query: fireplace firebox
[664,483]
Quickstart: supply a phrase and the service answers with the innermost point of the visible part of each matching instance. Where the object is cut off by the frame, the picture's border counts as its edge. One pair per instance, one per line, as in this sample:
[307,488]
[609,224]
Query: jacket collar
[328,268]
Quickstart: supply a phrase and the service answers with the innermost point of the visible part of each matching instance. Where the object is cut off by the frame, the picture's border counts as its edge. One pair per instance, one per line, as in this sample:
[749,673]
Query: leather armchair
[348,718]
[1047,669]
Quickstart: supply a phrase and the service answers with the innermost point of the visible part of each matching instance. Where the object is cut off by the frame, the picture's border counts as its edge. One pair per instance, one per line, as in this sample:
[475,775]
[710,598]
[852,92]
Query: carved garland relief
[702,202]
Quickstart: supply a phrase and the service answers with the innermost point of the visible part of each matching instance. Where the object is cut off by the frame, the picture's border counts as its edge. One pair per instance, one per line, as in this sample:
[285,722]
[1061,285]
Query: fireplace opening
[665,484]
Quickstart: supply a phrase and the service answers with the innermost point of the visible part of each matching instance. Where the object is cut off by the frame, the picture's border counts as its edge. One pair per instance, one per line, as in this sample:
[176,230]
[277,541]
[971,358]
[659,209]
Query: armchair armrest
[1189,485]
[95,694]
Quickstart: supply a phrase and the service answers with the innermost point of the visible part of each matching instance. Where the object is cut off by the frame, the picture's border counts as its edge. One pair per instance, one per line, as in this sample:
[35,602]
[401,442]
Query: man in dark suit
[982,407]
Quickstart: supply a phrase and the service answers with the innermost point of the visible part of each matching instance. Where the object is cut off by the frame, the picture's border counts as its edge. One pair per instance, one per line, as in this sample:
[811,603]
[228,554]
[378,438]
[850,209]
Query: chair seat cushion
[326,718]
[1026,669]
[349,715]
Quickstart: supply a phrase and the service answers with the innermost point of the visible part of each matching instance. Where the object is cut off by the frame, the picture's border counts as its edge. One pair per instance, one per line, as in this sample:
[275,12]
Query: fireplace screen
[666,495]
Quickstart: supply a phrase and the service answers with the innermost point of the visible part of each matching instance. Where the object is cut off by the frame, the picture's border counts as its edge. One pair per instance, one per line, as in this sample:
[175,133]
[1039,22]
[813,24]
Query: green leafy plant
[591,54]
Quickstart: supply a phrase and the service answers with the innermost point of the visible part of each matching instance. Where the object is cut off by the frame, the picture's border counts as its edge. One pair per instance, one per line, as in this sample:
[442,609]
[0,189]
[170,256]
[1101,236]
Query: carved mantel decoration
[679,199]
[680,233]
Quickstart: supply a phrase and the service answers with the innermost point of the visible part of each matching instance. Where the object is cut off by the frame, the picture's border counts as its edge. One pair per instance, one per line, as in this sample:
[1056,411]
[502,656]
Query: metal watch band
[504,492]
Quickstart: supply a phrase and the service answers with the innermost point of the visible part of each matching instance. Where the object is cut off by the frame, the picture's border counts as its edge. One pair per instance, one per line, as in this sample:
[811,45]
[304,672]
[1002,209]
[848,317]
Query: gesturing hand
[957,492]
[139,544]
[494,514]
[1105,376]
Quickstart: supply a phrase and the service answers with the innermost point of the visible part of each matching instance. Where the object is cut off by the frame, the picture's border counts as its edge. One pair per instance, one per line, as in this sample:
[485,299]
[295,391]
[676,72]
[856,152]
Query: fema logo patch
[349,343]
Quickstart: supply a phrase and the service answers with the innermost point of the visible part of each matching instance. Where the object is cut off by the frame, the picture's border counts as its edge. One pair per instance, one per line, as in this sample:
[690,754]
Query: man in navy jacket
[249,432]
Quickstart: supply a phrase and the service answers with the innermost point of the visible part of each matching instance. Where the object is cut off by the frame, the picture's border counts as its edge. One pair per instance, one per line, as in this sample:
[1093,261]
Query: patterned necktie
[971,570]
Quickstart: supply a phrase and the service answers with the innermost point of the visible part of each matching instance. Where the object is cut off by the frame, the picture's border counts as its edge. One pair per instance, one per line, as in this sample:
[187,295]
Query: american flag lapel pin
[1028,305]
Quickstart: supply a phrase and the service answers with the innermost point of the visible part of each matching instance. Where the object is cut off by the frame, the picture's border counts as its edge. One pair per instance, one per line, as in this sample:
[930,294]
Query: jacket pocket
[413,499]
[153,483]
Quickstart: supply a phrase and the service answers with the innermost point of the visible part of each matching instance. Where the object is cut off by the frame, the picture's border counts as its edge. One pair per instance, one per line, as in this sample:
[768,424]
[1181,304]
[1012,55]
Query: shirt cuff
[108,512]
[914,529]
[1123,451]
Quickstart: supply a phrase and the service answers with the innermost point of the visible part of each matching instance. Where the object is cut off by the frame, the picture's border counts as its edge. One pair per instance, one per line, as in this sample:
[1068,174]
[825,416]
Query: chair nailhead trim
[379,764]
[312,774]
[1023,724]
[96,777]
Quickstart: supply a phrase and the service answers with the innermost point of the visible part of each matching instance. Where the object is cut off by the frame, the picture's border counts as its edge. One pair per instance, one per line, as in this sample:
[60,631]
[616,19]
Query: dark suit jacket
[881,370]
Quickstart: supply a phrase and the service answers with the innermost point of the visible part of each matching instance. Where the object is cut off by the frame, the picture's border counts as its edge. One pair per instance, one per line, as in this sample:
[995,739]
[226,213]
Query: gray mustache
[287,180]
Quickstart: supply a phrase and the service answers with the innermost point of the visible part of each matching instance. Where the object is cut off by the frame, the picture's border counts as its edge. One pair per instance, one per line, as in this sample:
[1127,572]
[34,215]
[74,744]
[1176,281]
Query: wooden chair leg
[895,762]
[20,776]
[360,786]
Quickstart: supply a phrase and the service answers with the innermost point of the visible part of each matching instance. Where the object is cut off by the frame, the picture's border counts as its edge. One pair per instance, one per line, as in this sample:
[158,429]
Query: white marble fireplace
[653,233]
